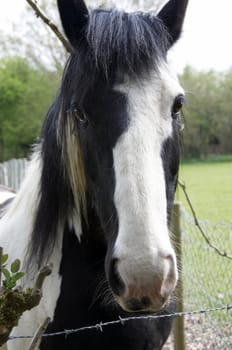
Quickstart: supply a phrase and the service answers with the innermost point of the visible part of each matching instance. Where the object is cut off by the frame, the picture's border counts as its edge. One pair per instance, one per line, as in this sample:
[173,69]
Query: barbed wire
[123,320]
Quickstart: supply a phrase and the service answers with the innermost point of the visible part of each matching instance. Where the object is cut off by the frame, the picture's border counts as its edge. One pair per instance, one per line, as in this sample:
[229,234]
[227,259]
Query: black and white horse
[98,195]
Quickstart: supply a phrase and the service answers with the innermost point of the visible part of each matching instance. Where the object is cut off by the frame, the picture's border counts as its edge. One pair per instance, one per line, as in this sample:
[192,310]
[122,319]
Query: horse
[6,196]
[98,194]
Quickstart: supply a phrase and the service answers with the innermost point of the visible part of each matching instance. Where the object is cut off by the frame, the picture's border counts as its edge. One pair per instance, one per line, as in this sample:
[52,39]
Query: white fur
[15,231]
[16,224]
[5,195]
[143,246]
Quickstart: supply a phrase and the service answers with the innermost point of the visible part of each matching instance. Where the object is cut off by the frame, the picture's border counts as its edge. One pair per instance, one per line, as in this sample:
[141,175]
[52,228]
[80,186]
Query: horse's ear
[74,17]
[172,15]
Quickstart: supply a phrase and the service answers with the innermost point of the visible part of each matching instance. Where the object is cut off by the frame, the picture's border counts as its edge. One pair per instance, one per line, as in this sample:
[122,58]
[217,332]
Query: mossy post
[1,252]
[178,330]
[14,301]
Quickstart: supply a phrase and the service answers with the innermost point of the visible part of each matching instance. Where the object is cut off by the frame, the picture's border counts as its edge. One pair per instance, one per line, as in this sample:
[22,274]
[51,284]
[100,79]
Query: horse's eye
[79,115]
[177,106]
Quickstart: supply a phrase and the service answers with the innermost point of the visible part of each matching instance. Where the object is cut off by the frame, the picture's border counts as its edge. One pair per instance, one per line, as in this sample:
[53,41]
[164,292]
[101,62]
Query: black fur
[133,42]
[76,14]
[55,197]
[172,15]
[171,157]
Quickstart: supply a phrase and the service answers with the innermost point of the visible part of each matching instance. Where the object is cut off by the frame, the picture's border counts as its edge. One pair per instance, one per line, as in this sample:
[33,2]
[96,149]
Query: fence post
[12,173]
[178,329]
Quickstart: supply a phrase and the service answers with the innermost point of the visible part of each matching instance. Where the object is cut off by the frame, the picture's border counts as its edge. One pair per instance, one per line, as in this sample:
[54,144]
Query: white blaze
[140,194]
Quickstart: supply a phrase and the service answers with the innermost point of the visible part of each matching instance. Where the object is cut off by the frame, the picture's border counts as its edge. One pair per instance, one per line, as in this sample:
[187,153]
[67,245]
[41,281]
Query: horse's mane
[130,42]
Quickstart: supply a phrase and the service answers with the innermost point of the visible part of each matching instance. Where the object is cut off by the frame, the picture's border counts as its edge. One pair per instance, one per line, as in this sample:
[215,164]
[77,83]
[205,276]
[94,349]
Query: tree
[34,41]
[208,113]
[25,94]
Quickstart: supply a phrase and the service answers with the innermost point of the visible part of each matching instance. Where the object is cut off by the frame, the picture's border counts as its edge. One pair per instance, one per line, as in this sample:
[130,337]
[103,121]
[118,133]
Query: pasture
[209,185]
[206,275]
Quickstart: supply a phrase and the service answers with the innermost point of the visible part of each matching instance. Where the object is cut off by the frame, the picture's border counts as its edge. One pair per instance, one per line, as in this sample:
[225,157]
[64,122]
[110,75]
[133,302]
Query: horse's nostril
[146,302]
[170,280]
[137,305]
[116,282]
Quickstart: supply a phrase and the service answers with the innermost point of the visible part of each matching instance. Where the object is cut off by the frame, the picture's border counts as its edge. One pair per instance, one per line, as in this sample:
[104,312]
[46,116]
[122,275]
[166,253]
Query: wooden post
[178,329]
[36,340]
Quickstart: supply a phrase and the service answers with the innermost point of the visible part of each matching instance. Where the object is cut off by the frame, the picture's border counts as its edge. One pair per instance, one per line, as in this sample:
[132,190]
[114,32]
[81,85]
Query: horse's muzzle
[147,290]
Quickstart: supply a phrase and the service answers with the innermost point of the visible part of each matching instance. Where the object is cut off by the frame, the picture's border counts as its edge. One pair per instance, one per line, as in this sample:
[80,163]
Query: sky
[206,39]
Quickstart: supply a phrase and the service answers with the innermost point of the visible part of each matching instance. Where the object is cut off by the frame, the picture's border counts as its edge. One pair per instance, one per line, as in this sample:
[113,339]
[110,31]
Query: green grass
[207,276]
[209,185]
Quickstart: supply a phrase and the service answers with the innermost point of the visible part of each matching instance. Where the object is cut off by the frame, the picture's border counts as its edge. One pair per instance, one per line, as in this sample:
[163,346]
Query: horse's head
[122,103]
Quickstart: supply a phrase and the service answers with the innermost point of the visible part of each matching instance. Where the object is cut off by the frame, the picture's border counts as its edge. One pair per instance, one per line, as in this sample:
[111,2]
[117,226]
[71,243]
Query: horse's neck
[88,252]
[81,273]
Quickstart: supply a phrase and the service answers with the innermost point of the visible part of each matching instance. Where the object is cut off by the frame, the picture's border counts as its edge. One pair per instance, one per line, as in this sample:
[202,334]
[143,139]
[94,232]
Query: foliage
[14,301]
[208,113]
[25,95]
[37,43]
[11,275]
[34,41]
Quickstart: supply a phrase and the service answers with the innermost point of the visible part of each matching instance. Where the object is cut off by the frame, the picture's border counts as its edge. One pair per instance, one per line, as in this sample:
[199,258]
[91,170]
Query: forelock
[132,42]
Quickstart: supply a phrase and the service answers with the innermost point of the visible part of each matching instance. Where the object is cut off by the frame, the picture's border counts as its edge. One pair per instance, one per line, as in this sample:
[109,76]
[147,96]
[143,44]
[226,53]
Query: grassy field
[207,276]
[209,184]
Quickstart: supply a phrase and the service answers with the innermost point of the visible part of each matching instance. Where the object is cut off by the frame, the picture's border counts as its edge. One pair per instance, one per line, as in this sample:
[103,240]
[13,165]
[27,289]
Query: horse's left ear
[172,15]
[74,17]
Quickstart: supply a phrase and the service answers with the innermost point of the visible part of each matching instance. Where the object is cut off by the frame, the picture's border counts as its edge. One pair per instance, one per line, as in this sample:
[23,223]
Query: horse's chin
[146,311]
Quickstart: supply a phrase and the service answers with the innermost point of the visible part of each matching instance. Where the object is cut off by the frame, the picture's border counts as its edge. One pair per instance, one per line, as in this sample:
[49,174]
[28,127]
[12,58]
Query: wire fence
[12,172]
[207,280]
[100,326]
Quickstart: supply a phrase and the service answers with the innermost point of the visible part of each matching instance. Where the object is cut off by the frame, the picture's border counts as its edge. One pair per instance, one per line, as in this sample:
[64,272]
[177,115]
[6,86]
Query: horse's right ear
[172,15]
[74,17]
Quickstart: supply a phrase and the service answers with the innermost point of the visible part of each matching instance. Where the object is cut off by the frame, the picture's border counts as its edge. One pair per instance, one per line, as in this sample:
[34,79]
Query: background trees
[25,95]
[31,65]
[208,114]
